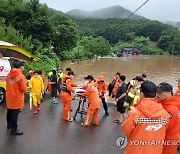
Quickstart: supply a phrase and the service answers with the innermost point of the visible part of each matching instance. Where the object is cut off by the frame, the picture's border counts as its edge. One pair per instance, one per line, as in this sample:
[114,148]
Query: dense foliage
[34,27]
[117,31]
[87,47]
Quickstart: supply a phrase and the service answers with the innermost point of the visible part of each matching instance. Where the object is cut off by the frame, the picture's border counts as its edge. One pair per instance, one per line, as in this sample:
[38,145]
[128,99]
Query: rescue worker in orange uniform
[66,90]
[94,102]
[112,84]
[65,75]
[49,86]
[165,97]
[146,124]
[178,90]
[102,89]
[117,84]
[177,102]
[176,96]
[15,89]
[36,86]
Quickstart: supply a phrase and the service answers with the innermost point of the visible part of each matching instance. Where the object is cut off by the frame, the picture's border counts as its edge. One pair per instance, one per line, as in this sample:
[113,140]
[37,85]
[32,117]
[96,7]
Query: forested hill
[166,36]
[109,12]
[175,24]
[114,30]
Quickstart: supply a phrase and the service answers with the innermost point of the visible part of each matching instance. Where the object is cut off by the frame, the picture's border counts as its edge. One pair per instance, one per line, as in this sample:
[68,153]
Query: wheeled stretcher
[81,105]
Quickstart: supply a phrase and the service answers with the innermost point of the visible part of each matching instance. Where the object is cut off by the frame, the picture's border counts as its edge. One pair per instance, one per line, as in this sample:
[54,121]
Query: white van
[5,68]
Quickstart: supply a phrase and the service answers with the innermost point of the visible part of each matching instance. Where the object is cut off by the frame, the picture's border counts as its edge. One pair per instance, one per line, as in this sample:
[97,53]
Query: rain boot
[39,107]
[35,109]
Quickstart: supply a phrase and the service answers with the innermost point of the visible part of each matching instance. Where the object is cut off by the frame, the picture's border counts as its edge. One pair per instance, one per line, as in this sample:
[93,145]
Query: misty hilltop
[175,24]
[109,12]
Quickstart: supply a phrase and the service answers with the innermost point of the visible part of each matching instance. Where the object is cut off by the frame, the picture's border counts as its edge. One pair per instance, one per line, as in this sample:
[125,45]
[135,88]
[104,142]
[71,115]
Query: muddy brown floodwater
[157,68]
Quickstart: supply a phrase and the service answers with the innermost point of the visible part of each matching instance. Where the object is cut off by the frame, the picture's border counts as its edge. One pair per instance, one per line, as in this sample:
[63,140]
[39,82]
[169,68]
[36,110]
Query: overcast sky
[164,10]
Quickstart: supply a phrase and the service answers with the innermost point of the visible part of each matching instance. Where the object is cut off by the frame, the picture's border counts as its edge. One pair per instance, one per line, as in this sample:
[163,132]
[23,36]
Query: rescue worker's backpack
[111,86]
[132,98]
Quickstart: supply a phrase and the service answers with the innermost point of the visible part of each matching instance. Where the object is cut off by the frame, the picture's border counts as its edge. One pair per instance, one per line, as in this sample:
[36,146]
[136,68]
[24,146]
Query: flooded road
[157,68]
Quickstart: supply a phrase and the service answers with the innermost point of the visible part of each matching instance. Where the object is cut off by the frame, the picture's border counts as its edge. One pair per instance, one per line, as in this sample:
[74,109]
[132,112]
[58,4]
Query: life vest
[59,77]
[137,96]
[64,87]
[50,75]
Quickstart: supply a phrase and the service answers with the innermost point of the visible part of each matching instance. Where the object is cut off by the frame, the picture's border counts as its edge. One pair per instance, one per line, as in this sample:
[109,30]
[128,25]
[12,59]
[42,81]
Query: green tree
[87,47]
[65,33]
[166,41]
[10,34]
[101,46]
[151,29]
[30,18]
[140,42]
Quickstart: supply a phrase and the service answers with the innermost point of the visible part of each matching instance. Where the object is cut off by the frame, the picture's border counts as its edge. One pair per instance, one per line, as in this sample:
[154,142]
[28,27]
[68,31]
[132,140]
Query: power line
[134,11]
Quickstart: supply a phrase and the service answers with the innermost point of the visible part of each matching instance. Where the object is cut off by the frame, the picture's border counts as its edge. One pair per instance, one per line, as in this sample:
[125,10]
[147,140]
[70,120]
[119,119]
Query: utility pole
[173,50]
[78,53]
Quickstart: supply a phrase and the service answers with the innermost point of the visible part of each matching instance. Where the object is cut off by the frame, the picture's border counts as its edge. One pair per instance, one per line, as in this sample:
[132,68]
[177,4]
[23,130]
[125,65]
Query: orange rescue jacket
[172,106]
[116,86]
[177,92]
[65,96]
[64,77]
[93,96]
[145,125]
[102,88]
[15,89]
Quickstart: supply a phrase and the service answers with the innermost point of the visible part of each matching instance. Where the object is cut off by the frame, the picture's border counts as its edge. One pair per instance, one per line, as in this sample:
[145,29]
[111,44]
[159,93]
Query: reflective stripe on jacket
[146,123]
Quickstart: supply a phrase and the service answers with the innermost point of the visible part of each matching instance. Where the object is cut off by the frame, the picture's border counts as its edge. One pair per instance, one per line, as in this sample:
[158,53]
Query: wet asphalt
[47,133]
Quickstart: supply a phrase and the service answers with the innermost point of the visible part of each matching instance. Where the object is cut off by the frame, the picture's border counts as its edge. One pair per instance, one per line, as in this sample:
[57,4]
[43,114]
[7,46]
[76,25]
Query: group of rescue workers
[149,112]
